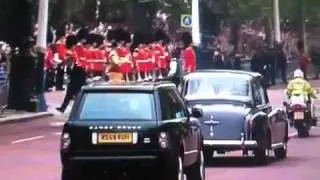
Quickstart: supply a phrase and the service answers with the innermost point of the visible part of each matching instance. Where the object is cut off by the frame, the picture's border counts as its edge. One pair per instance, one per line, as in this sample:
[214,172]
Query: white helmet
[298,74]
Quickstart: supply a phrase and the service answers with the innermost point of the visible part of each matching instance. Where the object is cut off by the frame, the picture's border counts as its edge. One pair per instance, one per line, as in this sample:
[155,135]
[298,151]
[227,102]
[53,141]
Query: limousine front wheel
[197,170]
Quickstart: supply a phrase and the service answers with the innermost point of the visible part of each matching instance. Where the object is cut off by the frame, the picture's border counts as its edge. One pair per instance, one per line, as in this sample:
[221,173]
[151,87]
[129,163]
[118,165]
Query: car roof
[134,86]
[238,73]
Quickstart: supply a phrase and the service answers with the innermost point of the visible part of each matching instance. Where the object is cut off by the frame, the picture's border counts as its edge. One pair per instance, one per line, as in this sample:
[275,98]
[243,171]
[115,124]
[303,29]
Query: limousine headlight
[65,141]
[163,140]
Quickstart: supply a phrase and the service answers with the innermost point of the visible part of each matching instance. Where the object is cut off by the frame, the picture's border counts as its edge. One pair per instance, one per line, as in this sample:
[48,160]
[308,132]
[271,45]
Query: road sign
[186,20]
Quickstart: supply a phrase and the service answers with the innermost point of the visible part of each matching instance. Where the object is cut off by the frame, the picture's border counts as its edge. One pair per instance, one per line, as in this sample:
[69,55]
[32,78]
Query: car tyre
[197,170]
[281,153]
[175,171]
[70,173]
[208,155]
[261,154]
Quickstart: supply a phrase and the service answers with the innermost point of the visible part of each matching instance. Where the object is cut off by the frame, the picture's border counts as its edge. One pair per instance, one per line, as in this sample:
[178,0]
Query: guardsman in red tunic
[150,56]
[160,53]
[60,60]
[100,61]
[81,52]
[77,73]
[189,55]
[125,55]
[90,58]
[49,67]
[136,58]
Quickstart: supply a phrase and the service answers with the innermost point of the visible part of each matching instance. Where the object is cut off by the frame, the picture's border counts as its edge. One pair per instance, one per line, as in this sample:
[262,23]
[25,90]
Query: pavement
[29,150]
[54,100]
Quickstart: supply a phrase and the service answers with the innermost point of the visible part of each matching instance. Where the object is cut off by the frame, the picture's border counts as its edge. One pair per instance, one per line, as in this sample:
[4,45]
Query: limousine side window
[170,106]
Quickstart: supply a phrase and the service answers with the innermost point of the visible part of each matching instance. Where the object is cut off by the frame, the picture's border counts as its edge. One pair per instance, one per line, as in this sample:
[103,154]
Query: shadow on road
[236,162]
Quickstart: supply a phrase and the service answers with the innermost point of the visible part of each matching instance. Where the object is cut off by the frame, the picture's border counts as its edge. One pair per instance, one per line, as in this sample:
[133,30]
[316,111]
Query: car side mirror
[196,112]
[285,104]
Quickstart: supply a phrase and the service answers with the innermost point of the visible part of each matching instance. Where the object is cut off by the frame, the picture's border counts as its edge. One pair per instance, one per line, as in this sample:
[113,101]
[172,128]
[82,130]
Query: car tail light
[163,140]
[297,107]
[65,141]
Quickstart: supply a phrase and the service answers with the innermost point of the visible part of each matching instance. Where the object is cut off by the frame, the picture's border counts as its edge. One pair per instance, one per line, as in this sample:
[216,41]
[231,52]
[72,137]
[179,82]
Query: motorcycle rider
[298,85]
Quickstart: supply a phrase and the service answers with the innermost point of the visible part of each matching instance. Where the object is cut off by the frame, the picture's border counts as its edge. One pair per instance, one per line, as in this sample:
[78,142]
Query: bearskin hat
[160,35]
[186,38]
[111,35]
[119,35]
[82,34]
[136,40]
[95,38]
[149,38]
[71,41]
[126,37]
[49,36]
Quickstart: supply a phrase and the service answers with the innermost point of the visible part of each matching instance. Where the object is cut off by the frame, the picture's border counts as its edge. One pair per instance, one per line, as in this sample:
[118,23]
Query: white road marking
[293,134]
[27,139]
[56,124]
[57,133]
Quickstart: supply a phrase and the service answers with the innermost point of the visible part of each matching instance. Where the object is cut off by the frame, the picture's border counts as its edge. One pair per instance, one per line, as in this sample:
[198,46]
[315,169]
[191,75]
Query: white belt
[142,61]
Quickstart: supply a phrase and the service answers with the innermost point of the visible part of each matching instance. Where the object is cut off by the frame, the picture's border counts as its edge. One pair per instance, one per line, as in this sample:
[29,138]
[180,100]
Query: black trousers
[59,76]
[71,92]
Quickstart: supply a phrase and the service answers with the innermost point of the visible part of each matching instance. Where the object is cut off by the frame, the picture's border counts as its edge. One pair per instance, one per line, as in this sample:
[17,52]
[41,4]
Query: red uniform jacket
[48,60]
[99,63]
[160,60]
[189,59]
[61,50]
[124,52]
[140,58]
[150,57]
[81,52]
[91,55]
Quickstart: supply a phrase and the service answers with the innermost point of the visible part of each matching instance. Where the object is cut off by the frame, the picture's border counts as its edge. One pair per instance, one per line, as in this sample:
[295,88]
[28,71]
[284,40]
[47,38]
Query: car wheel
[208,155]
[175,171]
[70,173]
[281,153]
[197,170]
[261,154]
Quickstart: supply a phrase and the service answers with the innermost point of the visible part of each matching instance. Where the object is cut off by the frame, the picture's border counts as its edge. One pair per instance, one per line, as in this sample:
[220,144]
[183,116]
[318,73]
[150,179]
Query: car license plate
[298,115]
[114,138]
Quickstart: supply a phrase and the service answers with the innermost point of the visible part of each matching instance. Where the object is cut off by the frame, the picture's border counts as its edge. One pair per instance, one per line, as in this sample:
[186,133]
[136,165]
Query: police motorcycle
[300,112]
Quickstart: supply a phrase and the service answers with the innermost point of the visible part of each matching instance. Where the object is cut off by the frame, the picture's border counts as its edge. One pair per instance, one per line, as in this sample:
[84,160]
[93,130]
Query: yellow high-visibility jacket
[299,86]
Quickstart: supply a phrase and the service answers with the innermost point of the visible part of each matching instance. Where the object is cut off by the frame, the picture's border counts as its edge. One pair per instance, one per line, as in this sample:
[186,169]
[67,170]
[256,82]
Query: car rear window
[117,106]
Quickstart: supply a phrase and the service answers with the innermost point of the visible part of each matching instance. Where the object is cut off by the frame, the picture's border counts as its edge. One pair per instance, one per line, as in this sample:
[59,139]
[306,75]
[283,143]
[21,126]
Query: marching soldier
[124,53]
[98,59]
[159,52]
[142,61]
[150,56]
[189,56]
[59,60]
[77,74]
[80,48]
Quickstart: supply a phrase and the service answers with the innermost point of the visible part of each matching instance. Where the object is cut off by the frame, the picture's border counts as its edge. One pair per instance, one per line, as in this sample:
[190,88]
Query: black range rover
[118,128]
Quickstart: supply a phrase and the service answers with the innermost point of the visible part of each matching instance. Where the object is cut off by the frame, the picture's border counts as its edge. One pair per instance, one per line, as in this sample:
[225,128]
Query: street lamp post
[42,23]
[195,22]
[276,21]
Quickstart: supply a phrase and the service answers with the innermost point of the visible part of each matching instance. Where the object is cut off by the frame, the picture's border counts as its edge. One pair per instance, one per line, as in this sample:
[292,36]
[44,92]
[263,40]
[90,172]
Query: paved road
[29,151]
